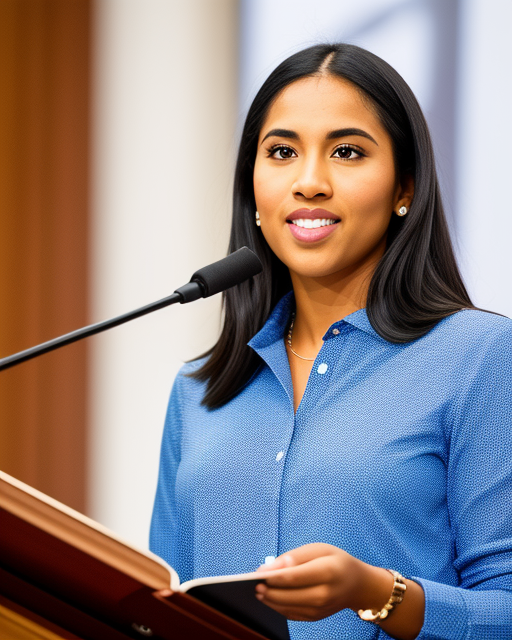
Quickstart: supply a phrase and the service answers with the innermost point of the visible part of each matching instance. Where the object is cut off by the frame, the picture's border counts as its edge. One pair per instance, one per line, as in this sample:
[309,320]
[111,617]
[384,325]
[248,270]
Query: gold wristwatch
[397,595]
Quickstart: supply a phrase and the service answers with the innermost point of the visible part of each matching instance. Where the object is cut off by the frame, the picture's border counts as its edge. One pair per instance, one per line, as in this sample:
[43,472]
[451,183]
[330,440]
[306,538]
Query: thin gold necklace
[289,342]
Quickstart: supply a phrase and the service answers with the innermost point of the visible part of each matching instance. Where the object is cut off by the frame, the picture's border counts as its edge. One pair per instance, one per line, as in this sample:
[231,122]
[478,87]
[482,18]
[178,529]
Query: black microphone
[216,277]
[221,275]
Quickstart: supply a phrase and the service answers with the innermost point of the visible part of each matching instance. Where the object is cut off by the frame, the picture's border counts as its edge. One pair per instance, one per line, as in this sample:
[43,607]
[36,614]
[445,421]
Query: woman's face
[324,179]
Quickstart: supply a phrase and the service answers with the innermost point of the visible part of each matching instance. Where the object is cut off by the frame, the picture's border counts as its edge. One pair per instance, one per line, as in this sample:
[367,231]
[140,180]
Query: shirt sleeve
[165,534]
[479,495]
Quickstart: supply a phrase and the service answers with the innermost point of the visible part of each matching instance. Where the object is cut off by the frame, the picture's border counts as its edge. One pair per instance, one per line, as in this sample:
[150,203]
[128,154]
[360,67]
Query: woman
[355,414]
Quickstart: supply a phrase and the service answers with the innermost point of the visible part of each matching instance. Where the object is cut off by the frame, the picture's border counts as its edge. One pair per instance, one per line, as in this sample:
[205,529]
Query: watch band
[397,595]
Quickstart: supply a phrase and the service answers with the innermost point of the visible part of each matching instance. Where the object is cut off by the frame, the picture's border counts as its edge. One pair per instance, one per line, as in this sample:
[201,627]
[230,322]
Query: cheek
[270,188]
[375,191]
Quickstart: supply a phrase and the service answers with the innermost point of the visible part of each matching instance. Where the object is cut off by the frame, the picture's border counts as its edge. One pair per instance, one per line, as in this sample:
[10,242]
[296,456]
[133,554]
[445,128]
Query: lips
[311,225]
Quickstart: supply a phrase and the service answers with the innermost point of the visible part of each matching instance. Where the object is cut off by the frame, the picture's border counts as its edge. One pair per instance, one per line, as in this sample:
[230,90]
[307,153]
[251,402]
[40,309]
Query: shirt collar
[357,319]
[273,330]
[274,327]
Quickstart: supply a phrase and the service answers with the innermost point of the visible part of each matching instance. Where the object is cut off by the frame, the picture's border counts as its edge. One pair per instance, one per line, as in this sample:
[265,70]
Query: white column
[164,84]
[485,161]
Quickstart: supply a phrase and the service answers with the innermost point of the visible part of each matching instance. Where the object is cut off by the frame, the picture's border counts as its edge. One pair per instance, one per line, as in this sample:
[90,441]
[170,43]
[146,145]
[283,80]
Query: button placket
[278,472]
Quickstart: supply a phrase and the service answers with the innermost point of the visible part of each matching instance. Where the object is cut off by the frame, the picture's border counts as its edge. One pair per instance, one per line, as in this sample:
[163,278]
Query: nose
[312,180]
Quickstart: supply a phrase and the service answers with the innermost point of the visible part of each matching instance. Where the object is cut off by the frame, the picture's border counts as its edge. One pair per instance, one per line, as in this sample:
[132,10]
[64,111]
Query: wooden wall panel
[44,156]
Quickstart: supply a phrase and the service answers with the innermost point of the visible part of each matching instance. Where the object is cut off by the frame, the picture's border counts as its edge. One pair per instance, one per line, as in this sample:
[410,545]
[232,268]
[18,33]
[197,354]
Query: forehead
[321,103]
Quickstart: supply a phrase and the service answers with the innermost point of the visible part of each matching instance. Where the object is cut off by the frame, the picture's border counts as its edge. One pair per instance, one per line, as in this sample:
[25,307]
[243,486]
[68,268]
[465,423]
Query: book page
[237,577]
[85,534]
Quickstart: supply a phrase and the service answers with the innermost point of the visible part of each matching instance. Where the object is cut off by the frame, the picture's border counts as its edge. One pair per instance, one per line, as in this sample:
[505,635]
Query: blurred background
[119,122]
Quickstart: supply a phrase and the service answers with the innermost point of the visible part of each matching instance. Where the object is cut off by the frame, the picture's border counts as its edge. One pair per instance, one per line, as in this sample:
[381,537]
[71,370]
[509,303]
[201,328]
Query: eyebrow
[332,135]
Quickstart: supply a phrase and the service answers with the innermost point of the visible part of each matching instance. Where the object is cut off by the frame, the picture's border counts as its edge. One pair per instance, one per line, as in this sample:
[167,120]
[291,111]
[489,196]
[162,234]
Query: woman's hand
[319,579]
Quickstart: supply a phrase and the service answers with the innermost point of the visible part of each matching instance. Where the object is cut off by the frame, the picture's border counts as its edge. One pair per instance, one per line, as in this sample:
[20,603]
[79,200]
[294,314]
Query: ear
[406,192]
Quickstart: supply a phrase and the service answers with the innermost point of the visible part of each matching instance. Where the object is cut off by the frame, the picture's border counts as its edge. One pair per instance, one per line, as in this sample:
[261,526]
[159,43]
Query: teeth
[313,224]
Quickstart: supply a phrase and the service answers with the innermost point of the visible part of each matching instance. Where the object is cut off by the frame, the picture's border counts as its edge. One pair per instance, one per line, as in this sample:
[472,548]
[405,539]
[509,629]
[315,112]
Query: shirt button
[279,456]
[322,368]
[335,332]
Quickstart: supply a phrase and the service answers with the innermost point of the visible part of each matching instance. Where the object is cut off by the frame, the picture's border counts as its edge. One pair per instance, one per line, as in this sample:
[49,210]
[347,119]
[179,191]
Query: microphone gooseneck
[219,276]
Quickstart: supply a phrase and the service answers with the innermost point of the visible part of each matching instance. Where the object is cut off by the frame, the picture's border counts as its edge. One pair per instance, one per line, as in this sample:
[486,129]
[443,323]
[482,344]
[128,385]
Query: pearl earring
[258,223]
[402,211]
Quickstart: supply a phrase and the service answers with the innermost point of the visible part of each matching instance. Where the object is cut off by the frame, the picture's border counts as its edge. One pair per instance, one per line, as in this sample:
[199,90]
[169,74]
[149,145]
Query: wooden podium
[64,576]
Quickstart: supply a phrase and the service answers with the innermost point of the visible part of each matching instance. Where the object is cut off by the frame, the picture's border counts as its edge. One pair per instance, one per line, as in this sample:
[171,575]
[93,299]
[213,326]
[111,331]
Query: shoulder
[471,328]
[185,400]
[461,344]
[475,345]
[185,385]
[189,368]
[478,320]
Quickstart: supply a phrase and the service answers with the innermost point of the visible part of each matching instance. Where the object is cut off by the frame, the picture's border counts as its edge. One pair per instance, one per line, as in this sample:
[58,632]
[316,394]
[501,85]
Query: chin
[315,271]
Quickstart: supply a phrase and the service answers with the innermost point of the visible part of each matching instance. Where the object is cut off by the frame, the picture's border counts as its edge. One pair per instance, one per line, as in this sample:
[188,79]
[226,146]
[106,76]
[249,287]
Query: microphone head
[228,272]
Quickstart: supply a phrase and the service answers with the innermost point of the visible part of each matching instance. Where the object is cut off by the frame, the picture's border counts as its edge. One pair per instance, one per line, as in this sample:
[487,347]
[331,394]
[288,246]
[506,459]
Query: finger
[317,571]
[280,562]
[317,596]
[303,554]
[299,555]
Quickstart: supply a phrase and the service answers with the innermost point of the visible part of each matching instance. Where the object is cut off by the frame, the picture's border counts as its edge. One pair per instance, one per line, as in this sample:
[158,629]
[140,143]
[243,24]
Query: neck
[322,301]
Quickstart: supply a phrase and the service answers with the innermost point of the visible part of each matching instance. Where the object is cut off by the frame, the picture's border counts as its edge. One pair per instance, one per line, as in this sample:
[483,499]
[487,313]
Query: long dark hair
[416,283]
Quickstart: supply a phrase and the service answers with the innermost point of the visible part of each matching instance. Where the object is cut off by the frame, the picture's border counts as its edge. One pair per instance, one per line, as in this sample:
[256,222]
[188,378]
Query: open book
[67,568]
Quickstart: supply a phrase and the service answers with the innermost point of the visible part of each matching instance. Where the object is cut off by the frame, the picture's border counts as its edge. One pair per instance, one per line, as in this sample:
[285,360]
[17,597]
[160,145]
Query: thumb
[301,555]
[281,562]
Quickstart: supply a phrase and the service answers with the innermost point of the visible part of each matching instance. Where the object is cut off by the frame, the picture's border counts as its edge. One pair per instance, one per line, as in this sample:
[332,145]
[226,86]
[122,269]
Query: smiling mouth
[312,225]
[308,223]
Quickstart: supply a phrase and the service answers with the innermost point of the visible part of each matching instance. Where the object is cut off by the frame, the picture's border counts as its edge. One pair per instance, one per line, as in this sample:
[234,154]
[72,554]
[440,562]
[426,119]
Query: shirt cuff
[446,614]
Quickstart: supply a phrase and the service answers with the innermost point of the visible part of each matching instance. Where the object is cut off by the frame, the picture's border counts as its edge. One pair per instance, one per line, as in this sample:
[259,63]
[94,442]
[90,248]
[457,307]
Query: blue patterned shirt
[400,454]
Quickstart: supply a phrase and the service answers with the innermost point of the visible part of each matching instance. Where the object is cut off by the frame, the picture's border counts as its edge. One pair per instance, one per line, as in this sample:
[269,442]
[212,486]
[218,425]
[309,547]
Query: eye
[347,152]
[281,152]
